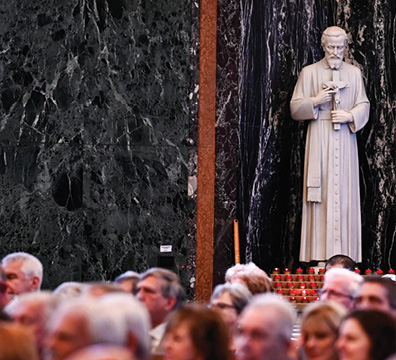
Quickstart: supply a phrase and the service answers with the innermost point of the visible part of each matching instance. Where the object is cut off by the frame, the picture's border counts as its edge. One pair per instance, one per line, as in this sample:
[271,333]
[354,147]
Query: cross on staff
[336,85]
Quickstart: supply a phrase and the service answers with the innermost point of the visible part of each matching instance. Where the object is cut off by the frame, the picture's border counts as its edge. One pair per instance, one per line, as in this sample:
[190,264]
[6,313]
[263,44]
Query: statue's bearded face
[334,47]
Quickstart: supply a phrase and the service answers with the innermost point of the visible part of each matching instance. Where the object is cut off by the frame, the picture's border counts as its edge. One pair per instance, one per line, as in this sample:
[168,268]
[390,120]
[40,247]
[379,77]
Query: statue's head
[334,42]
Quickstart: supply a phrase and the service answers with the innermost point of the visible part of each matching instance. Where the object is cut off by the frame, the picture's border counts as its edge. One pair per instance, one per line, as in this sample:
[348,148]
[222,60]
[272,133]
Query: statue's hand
[323,96]
[341,117]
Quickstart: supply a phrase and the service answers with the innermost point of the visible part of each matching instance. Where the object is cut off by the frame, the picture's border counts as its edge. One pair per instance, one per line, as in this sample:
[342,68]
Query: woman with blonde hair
[16,342]
[319,330]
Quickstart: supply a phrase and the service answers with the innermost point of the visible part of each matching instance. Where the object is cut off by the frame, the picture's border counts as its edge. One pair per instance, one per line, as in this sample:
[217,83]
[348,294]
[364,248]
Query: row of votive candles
[298,278]
[321,271]
[299,285]
[298,292]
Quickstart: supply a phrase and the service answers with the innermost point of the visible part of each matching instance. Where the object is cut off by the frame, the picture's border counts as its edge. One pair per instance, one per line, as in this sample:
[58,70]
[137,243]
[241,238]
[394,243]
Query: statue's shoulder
[351,68]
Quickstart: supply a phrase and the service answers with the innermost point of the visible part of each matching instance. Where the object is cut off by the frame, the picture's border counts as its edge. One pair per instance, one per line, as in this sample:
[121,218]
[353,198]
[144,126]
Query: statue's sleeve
[361,108]
[301,104]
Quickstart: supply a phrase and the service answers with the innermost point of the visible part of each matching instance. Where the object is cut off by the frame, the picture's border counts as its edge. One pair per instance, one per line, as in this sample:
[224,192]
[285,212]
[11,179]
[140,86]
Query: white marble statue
[330,95]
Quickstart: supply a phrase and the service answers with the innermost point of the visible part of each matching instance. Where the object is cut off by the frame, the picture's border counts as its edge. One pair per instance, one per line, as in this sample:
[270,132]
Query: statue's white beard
[334,62]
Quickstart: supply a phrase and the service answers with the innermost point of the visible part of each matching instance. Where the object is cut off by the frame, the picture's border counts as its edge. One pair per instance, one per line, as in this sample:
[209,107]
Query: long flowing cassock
[331,220]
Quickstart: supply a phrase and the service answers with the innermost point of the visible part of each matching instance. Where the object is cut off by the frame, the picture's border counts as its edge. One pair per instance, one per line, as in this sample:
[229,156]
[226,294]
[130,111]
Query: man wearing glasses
[342,286]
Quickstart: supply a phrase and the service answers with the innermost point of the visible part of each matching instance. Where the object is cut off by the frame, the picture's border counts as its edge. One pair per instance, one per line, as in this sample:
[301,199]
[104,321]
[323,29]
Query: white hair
[350,278]
[284,309]
[31,266]
[46,300]
[133,316]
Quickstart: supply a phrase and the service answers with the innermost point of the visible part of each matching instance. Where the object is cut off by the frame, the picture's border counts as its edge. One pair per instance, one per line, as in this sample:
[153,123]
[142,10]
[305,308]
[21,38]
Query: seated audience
[319,330]
[132,316]
[97,289]
[115,318]
[340,261]
[341,286]
[102,352]
[70,289]
[33,311]
[377,293]
[24,273]
[161,292]
[16,343]
[71,327]
[367,335]
[3,289]
[264,329]
[229,300]
[250,275]
[196,332]
[128,281]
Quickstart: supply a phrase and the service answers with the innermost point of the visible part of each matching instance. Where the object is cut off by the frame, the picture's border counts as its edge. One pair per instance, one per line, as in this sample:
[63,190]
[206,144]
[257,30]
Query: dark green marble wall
[94,134]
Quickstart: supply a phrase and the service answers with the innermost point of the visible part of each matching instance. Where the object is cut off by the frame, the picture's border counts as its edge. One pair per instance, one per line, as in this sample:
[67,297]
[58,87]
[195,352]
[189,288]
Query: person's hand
[341,117]
[323,96]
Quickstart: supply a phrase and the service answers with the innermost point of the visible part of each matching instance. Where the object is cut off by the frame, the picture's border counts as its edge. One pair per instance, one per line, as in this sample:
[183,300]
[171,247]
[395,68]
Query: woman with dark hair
[366,335]
[196,332]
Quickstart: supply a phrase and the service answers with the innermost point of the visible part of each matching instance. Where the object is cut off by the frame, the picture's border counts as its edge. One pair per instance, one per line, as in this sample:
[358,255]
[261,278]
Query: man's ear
[171,303]
[35,283]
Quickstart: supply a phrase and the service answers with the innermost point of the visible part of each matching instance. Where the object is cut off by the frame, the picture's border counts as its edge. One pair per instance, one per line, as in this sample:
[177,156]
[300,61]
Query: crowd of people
[145,316]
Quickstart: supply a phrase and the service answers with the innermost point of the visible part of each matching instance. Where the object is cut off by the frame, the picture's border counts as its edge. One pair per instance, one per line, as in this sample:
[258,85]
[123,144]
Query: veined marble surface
[279,38]
[94,134]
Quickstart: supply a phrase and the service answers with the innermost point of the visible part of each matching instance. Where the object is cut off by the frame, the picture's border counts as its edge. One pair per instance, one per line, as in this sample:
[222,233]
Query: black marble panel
[278,38]
[227,140]
[94,134]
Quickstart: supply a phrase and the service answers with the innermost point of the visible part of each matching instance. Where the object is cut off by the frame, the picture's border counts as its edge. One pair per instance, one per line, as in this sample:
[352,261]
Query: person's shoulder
[351,68]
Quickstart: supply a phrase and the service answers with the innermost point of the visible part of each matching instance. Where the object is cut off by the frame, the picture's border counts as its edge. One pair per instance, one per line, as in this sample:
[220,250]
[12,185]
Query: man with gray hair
[33,311]
[24,273]
[161,292]
[342,286]
[264,329]
[114,318]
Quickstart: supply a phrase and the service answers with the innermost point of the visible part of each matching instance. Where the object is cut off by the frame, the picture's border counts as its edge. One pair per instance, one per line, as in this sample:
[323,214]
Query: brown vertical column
[206,149]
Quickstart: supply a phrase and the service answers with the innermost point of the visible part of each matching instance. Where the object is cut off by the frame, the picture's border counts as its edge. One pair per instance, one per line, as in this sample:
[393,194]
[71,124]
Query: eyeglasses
[222,306]
[3,287]
[334,294]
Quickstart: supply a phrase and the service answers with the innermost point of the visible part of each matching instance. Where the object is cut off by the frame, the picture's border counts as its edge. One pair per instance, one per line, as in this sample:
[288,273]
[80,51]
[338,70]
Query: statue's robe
[331,219]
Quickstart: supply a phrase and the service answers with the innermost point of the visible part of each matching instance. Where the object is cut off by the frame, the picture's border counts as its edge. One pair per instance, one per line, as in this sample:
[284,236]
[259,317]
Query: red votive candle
[311,271]
[278,285]
[277,277]
[275,271]
[368,272]
[286,271]
[313,285]
[357,271]
[299,271]
[391,271]
[301,285]
[322,271]
[290,285]
[380,272]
